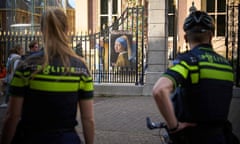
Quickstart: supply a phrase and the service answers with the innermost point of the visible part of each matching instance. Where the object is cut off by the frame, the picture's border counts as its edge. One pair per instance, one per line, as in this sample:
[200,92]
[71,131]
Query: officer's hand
[183,125]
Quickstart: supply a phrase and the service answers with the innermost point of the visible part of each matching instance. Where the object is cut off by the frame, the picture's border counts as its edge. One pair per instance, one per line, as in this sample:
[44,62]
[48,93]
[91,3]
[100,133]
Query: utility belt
[38,130]
[52,131]
[212,124]
[205,130]
[41,128]
[191,135]
[22,134]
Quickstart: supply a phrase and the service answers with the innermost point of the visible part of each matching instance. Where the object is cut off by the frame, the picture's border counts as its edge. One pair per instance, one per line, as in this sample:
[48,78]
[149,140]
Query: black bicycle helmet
[200,19]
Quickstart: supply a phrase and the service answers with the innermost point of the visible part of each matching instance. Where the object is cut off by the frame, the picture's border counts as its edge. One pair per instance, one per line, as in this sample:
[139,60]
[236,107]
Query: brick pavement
[121,120]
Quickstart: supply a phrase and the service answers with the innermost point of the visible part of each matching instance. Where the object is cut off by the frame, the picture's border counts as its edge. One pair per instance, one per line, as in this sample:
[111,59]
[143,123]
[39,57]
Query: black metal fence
[98,48]
[232,38]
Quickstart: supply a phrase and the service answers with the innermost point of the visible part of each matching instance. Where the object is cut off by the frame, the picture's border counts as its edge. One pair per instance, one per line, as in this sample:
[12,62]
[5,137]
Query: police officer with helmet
[207,81]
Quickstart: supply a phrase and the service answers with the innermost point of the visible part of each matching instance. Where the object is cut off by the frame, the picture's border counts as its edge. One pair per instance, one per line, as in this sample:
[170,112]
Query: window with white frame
[216,9]
[104,11]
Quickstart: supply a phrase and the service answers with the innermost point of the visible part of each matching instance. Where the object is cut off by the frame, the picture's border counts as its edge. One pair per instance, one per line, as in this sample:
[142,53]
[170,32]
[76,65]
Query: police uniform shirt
[208,80]
[51,96]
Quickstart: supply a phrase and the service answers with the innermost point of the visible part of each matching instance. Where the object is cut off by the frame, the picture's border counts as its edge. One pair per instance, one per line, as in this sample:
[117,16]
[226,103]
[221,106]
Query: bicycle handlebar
[163,130]
[153,125]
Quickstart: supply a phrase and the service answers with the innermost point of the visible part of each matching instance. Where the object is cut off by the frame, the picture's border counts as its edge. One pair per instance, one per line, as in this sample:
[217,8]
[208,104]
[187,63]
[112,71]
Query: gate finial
[192,8]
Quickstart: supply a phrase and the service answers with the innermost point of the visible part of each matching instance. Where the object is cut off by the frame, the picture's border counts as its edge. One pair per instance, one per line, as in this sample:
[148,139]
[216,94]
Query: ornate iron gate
[232,38]
[98,48]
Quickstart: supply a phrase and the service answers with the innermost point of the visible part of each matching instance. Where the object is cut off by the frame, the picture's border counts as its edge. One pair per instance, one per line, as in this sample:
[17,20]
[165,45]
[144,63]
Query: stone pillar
[157,42]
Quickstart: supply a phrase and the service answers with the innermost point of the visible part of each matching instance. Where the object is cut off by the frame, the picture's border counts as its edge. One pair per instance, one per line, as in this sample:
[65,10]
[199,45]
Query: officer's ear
[210,34]
[186,38]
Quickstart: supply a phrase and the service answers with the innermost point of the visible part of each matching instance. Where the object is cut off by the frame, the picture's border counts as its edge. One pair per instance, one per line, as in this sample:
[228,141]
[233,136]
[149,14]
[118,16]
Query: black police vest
[204,97]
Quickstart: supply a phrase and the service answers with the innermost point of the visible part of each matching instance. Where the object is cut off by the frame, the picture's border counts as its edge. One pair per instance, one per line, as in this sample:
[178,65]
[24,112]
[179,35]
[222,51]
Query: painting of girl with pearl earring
[121,50]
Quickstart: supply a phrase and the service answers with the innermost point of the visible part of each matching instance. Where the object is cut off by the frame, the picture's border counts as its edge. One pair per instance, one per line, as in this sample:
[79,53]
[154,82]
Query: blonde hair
[54,29]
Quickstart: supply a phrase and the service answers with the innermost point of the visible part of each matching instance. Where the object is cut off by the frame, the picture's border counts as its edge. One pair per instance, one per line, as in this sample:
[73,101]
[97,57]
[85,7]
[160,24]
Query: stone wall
[234,114]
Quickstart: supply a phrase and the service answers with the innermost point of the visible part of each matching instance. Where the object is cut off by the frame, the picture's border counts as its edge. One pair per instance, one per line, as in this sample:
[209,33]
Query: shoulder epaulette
[188,57]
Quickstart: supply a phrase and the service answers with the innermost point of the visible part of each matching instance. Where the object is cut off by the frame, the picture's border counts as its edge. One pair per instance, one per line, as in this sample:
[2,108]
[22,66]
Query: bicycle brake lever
[151,125]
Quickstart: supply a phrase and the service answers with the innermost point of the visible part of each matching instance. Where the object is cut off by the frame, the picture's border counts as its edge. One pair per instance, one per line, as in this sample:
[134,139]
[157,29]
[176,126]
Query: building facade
[95,15]
[17,15]
[224,13]
[163,34]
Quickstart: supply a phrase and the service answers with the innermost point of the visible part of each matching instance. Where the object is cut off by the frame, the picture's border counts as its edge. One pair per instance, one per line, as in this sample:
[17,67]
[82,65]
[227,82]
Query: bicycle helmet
[198,19]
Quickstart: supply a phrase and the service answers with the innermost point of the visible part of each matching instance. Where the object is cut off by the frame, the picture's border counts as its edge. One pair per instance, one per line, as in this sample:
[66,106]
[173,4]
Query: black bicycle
[163,130]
